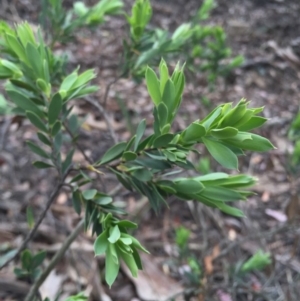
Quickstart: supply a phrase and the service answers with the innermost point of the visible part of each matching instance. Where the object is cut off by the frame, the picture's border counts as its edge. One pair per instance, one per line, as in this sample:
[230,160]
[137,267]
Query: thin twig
[37,224]
[60,253]
[109,85]
[77,144]
[105,116]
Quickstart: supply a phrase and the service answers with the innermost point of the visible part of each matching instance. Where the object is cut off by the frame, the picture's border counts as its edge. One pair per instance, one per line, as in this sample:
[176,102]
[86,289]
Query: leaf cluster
[63,23]
[30,265]
[204,47]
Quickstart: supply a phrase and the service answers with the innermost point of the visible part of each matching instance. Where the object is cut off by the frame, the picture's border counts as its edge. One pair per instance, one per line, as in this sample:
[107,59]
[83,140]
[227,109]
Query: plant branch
[78,145]
[31,234]
[108,88]
[59,254]
[105,116]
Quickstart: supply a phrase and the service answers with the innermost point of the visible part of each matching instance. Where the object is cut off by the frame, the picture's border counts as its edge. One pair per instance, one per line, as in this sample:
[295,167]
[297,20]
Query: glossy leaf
[89,194]
[188,186]
[44,139]
[114,234]
[112,265]
[224,133]
[139,133]
[258,143]
[37,150]
[193,133]
[101,243]
[56,128]
[143,175]
[23,102]
[221,153]
[113,153]
[153,86]
[76,201]
[129,156]
[253,123]
[163,141]
[42,165]
[36,121]
[55,107]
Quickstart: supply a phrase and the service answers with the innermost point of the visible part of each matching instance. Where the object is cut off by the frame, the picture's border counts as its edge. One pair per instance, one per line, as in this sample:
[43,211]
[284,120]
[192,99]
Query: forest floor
[267,33]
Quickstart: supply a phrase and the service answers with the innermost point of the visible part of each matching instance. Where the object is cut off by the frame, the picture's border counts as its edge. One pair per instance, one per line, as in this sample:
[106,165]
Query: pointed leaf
[42,165]
[37,150]
[54,108]
[221,153]
[36,121]
[153,86]
[139,133]
[115,234]
[101,244]
[113,153]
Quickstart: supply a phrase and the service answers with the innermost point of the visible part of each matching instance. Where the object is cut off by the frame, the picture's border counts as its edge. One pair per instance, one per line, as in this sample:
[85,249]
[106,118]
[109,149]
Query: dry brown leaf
[151,283]
[208,260]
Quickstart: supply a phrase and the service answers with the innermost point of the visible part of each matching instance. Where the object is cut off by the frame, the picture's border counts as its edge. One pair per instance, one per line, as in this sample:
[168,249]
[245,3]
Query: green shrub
[38,90]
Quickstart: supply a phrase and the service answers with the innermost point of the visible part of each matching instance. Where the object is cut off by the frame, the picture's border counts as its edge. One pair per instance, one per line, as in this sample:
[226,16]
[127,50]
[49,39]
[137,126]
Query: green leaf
[130,262]
[76,201]
[26,259]
[36,121]
[129,156]
[163,141]
[152,163]
[23,102]
[257,262]
[44,139]
[101,244]
[188,186]
[164,75]
[211,118]
[35,60]
[37,150]
[127,224]
[113,153]
[68,81]
[56,128]
[114,234]
[253,123]
[112,265]
[221,153]
[143,175]
[168,98]
[230,210]
[29,217]
[38,259]
[224,133]
[55,107]
[102,199]
[233,116]
[153,86]
[139,133]
[162,112]
[42,165]
[221,194]
[89,194]
[193,133]
[257,144]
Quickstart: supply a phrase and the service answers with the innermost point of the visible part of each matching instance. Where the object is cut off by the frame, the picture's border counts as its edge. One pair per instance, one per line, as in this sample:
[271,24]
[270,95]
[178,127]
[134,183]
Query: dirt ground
[267,33]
